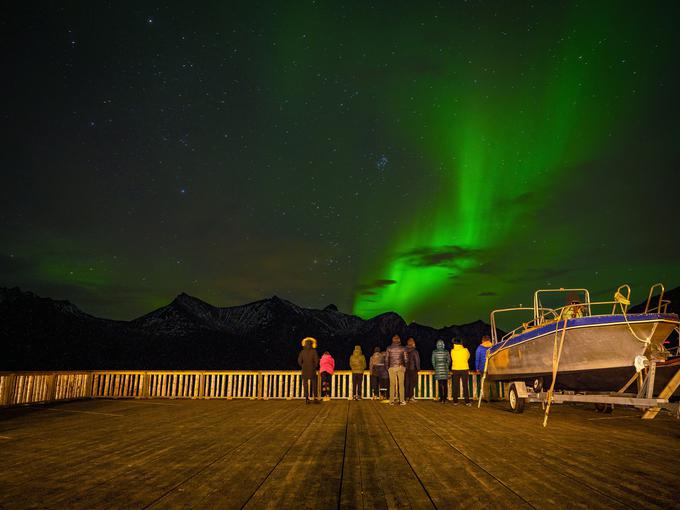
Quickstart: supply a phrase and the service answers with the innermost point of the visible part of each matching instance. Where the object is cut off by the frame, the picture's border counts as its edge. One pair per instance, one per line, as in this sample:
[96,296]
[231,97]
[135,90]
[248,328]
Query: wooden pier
[340,454]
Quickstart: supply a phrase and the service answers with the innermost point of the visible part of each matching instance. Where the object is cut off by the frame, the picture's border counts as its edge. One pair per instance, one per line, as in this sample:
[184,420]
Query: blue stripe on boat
[582,321]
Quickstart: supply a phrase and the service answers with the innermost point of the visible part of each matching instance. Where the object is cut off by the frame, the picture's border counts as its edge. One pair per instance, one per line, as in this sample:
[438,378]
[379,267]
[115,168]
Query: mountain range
[39,333]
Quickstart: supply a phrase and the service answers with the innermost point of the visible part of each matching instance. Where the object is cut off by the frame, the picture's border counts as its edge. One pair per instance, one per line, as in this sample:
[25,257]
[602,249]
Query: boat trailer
[519,394]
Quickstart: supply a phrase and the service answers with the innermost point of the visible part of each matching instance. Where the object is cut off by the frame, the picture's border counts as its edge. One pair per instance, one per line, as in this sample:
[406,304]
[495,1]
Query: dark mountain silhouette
[44,334]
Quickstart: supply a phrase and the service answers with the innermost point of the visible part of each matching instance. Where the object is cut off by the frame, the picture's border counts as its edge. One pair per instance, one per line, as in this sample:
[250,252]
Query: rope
[623,301]
[481,384]
[557,354]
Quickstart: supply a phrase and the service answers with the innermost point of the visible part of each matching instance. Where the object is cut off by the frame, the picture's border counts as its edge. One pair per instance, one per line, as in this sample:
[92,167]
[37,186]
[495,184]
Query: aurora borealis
[433,159]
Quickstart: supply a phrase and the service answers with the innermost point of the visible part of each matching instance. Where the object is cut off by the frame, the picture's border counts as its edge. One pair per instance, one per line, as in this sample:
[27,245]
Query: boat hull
[595,350]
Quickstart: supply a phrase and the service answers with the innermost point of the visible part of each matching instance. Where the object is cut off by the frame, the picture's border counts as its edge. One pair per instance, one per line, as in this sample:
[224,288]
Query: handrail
[544,319]
[492,320]
[661,300]
[25,388]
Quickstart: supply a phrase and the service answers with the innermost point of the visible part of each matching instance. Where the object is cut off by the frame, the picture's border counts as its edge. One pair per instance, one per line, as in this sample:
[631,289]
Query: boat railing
[661,305]
[25,388]
[551,316]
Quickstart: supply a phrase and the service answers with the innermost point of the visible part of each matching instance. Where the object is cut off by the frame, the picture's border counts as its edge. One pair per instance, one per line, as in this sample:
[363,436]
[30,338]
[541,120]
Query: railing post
[10,390]
[145,385]
[201,385]
[51,388]
[89,385]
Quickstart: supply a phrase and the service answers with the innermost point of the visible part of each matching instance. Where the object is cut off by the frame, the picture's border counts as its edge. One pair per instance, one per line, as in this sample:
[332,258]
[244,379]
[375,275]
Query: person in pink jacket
[326,367]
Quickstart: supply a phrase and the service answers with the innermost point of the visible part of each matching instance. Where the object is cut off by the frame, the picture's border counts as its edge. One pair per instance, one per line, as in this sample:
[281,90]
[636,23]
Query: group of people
[393,372]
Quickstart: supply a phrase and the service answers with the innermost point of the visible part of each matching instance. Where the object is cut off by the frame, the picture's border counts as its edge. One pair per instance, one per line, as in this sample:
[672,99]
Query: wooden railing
[17,388]
[32,387]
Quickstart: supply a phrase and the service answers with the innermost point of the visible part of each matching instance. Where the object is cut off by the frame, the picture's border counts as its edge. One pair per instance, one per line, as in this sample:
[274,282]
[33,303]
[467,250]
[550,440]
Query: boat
[583,346]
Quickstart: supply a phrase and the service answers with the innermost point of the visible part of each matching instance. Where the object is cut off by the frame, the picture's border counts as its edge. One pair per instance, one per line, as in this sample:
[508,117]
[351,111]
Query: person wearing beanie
[395,361]
[326,367]
[308,359]
[412,368]
[459,367]
[357,362]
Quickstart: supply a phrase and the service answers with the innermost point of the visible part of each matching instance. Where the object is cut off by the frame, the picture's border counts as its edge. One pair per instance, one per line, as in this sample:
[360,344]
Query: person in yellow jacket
[460,366]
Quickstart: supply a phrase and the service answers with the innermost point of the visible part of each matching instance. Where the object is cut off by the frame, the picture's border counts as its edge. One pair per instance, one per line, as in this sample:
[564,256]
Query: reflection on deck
[346,454]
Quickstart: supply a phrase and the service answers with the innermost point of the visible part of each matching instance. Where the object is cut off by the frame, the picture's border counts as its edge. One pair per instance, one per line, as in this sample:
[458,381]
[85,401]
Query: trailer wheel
[537,384]
[604,408]
[516,403]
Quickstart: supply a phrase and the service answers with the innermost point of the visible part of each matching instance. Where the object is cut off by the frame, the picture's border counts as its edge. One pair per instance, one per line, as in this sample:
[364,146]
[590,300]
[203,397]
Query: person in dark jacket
[412,368]
[441,362]
[395,362]
[357,362]
[376,366]
[308,359]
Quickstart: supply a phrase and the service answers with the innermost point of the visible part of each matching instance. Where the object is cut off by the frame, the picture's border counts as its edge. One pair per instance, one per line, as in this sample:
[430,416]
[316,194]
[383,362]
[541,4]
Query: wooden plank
[531,477]
[376,474]
[230,481]
[309,474]
[591,454]
[451,479]
[100,461]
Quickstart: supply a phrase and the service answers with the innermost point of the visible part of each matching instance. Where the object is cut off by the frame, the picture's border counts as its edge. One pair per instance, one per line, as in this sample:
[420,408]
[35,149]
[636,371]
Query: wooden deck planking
[586,454]
[376,474]
[113,453]
[279,454]
[452,479]
[503,458]
[231,481]
[308,476]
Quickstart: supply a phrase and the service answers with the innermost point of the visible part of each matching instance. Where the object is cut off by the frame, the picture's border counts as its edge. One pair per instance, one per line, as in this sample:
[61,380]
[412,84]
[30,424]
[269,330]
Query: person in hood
[326,367]
[441,362]
[459,366]
[490,389]
[395,362]
[480,354]
[412,368]
[376,366]
[357,362]
[308,359]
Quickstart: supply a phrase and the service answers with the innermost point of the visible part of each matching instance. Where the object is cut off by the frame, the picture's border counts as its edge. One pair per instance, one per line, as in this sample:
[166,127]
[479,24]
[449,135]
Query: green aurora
[498,145]
[438,160]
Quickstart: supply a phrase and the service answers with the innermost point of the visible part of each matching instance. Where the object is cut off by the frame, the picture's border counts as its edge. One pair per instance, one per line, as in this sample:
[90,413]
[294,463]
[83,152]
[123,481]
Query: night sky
[434,159]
